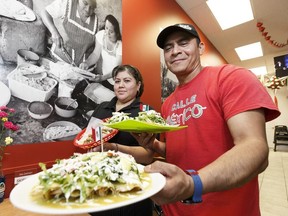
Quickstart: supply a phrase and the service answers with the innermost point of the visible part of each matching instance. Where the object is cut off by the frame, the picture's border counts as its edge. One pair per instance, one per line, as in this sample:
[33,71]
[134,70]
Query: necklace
[113,46]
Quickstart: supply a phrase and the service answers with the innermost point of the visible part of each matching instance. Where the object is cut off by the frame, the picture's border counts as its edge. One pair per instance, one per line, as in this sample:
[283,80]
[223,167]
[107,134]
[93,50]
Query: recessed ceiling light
[230,13]
[259,70]
[249,51]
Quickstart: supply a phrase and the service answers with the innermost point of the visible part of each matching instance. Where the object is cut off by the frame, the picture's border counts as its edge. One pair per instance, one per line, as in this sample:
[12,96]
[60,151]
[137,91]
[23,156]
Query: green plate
[140,127]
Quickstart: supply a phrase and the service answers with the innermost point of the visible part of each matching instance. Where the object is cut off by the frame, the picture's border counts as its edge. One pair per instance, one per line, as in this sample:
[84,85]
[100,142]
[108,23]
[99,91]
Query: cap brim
[161,39]
[165,33]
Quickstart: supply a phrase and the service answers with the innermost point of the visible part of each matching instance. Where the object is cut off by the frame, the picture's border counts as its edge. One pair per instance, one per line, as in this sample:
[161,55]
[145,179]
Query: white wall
[282,97]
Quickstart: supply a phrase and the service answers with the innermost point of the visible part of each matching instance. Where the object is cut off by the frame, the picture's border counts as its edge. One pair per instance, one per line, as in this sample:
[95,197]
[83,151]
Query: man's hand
[179,185]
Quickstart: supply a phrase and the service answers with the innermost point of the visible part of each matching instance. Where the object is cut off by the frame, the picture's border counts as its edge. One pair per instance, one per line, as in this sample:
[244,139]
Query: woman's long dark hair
[115,23]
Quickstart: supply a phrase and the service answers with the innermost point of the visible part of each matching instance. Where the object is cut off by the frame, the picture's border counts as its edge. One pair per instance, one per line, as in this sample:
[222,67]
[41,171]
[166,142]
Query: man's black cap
[174,28]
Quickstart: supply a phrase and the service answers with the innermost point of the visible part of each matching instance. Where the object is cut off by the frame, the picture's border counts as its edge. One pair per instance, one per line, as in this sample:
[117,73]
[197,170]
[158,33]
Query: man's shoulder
[224,67]
[227,70]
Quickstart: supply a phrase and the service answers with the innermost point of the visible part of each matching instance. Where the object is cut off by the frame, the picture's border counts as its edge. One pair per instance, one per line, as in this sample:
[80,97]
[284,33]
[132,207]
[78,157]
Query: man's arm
[234,168]
[245,160]
[49,23]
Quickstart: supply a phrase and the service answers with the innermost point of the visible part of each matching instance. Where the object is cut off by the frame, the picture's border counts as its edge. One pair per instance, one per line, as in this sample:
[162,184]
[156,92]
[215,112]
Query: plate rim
[95,143]
[6,92]
[16,198]
[31,14]
[156,127]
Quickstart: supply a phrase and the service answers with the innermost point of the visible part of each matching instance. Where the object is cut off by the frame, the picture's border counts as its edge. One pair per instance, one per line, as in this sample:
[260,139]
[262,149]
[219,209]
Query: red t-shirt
[205,104]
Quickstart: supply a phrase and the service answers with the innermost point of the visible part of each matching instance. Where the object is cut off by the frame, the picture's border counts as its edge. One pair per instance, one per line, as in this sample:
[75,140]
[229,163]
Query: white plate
[5,94]
[16,10]
[62,123]
[20,197]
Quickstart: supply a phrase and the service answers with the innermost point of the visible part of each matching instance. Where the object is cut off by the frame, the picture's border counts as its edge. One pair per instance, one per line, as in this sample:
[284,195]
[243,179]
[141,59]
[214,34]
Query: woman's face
[125,86]
[87,7]
[110,31]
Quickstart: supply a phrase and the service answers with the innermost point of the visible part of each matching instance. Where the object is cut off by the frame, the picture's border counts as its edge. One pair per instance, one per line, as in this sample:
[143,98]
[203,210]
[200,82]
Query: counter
[7,209]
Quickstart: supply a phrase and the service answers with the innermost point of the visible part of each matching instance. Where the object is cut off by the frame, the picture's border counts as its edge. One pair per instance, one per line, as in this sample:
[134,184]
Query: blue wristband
[198,188]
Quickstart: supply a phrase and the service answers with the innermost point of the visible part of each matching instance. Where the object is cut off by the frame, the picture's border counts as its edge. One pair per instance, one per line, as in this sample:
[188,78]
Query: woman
[106,55]
[128,89]
[74,37]
[108,49]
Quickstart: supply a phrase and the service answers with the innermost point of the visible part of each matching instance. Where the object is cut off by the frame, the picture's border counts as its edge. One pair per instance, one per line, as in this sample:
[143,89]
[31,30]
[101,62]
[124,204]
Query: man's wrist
[198,188]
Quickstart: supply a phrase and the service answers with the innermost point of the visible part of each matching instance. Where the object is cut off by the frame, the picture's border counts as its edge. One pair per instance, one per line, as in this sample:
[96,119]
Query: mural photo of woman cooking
[105,57]
[56,63]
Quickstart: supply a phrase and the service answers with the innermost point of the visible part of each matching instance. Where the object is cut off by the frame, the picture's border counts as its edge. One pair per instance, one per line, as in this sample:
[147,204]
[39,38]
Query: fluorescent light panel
[259,70]
[249,51]
[230,13]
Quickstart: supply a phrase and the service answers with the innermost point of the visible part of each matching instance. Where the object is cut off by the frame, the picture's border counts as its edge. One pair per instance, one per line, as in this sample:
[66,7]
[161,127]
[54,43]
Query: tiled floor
[273,184]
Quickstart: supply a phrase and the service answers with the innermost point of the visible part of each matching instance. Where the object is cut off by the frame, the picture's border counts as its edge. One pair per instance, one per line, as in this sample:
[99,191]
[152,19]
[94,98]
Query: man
[73,25]
[225,108]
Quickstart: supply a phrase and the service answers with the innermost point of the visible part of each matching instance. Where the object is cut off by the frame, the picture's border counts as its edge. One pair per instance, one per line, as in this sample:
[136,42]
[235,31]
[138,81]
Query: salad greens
[118,117]
[150,116]
[90,175]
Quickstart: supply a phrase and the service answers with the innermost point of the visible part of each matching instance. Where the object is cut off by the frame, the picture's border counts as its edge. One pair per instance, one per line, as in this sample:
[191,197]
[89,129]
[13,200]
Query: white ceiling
[273,15]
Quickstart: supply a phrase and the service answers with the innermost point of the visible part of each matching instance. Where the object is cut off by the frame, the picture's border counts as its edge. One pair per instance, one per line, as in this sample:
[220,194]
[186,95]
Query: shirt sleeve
[240,91]
[57,8]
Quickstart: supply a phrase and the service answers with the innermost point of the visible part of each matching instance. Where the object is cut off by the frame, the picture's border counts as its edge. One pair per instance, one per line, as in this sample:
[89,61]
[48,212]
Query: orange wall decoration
[268,38]
[141,23]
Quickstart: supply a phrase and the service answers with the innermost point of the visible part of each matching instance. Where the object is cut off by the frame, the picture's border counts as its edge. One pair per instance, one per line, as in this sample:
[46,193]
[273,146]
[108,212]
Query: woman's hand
[146,140]
[84,66]
[96,78]
[106,147]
